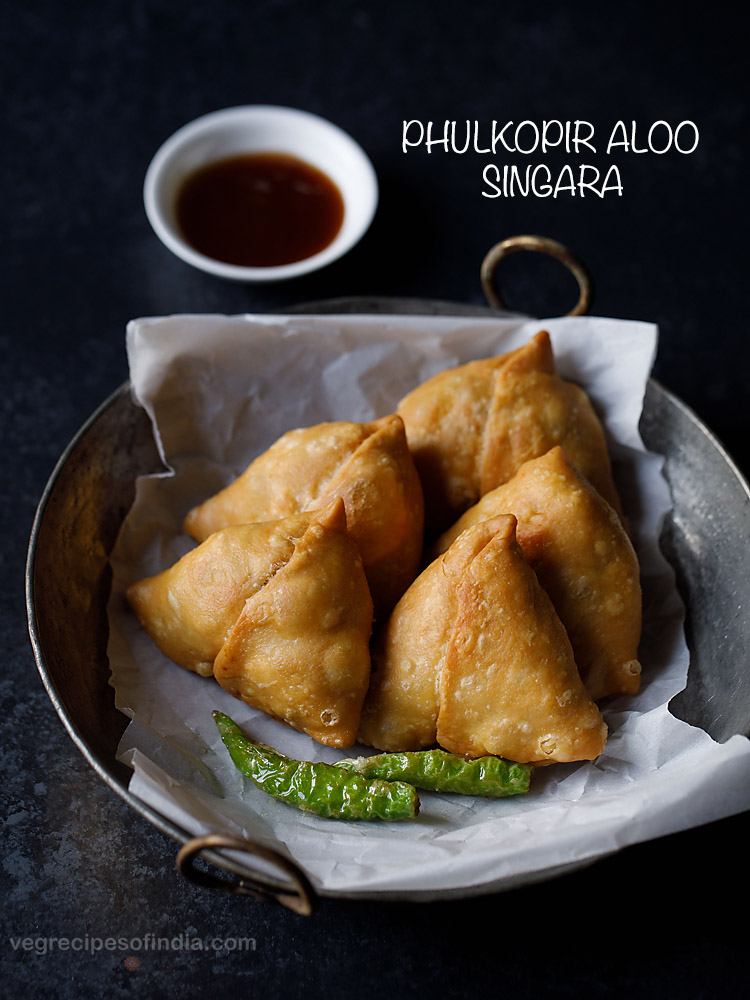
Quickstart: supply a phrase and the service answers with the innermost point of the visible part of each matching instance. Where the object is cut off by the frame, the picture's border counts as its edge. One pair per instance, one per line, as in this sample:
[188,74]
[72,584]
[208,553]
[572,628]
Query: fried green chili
[318,788]
[440,771]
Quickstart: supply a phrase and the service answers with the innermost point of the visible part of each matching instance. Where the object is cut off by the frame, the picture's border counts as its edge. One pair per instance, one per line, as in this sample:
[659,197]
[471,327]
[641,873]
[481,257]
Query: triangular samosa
[471,427]
[280,613]
[367,464]
[583,558]
[474,656]
[299,650]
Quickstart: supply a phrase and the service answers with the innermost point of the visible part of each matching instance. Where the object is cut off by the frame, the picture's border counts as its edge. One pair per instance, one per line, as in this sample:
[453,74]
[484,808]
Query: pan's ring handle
[297,895]
[536,244]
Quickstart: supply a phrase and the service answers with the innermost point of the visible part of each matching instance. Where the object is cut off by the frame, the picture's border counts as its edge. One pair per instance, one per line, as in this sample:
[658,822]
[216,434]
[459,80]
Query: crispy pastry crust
[369,465]
[583,558]
[299,650]
[280,613]
[470,428]
[190,608]
[474,656]
[509,685]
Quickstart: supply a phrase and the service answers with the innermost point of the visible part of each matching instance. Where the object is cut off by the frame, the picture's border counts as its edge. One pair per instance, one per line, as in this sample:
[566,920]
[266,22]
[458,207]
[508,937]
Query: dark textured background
[89,91]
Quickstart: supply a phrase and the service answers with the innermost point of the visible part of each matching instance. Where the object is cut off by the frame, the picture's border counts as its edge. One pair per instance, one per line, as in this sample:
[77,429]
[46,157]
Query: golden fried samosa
[367,464]
[582,557]
[400,711]
[280,613]
[471,427]
[190,608]
[300,647]
[475,657]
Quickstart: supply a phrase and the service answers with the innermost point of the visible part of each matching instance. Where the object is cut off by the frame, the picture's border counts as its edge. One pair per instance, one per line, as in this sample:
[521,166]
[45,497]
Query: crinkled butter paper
[221,389]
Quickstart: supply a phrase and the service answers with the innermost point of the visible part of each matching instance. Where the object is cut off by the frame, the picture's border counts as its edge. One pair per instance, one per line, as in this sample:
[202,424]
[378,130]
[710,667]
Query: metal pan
[92,488]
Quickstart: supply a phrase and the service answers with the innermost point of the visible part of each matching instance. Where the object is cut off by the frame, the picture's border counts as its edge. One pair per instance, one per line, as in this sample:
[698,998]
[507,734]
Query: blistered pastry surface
[472,427]
[582,555]
[475,657]
[299,650]
[369,465]
[510,685]
[189,608]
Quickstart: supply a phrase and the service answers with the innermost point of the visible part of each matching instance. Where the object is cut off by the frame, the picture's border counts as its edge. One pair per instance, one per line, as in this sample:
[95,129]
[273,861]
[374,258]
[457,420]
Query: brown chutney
[259,209]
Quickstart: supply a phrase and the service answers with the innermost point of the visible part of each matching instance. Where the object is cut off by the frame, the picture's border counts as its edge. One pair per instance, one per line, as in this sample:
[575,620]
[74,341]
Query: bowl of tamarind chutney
[260,193]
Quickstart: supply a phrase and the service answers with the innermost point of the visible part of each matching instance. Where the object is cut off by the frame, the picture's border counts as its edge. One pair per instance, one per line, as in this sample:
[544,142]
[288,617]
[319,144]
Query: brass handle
[536,244]
[297,894]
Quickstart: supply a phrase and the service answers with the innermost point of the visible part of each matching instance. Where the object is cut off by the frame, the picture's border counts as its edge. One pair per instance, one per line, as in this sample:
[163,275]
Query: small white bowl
[255,129]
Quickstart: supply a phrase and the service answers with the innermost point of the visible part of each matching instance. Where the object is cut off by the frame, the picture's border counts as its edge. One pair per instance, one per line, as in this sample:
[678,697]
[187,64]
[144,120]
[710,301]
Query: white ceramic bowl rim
[261,128]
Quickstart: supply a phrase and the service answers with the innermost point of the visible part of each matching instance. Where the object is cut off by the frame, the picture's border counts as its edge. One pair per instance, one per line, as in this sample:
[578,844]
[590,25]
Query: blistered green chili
[440,771]
[318,788]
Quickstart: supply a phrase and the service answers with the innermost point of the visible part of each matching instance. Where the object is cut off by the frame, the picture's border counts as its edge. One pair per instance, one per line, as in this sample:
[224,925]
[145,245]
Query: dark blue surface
[89,91]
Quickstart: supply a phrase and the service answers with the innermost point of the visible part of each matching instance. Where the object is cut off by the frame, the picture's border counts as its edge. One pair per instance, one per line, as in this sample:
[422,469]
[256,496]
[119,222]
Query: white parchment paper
[219,390]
